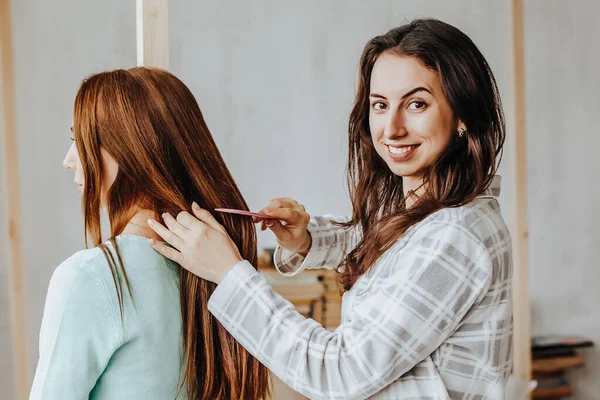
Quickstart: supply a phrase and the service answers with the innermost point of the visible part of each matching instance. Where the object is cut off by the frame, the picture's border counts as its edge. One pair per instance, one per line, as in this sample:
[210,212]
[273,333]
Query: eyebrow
[410,92]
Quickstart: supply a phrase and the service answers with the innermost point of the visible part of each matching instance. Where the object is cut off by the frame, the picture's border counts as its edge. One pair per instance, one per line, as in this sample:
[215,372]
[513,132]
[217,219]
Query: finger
[166,251]
[206,217]
[166,234]
[282,202]
[288,200]
[191,223]
[275,226]
[286,214]
[175,226]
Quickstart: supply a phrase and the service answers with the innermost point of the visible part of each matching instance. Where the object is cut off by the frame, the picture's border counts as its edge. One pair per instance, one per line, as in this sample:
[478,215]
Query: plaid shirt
[431,320]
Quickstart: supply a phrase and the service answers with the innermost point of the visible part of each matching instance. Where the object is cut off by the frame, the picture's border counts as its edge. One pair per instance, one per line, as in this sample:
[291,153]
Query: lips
[402,153]
[402,149]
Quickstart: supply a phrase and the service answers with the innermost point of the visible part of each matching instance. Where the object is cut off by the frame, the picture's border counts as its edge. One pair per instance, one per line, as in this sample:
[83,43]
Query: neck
[138,225]
[412,189]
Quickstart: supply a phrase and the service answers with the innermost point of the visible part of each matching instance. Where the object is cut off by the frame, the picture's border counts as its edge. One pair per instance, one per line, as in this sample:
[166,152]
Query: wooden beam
[12,202]
[520,217]
[152,23]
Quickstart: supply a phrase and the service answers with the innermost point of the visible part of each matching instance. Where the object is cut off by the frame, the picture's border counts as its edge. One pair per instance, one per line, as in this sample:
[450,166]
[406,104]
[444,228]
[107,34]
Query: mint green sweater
[88,351]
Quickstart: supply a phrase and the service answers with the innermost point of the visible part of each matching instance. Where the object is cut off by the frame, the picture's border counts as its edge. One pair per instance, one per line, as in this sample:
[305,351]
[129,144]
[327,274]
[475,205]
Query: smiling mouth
[401,149]
[401,153]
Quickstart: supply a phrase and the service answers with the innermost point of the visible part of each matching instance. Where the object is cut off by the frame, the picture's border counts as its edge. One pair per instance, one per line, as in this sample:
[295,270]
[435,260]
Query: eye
[417,105]
[379,106]
[72,139]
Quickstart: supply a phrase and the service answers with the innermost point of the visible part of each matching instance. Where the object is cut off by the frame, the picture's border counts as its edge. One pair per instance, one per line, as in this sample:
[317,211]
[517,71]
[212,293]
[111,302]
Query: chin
[403,170]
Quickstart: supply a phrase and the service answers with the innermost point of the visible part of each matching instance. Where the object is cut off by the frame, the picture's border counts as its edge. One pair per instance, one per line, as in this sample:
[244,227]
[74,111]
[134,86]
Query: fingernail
[165,215]
[195,206]
[269,223]
[284,223]
[152,242]
[151,222]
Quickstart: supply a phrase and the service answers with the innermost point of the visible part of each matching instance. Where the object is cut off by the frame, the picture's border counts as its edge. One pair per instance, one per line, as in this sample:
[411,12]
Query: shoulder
[472,237]
[78,304]
[77,288]
[479,222]
[469,237]
[81,267]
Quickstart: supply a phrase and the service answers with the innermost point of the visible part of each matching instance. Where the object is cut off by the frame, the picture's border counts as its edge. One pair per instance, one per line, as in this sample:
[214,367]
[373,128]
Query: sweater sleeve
[79,333]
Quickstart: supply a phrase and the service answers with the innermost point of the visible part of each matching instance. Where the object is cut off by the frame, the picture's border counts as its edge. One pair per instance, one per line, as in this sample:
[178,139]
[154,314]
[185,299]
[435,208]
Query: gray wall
[56,44]
[563,105]
[275,80]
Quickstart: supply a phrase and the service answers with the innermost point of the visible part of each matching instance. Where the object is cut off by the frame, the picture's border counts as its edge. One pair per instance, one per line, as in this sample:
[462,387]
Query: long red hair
[151,125]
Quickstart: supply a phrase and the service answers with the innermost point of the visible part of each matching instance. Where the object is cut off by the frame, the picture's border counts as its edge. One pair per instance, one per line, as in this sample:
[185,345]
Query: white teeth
[400,150]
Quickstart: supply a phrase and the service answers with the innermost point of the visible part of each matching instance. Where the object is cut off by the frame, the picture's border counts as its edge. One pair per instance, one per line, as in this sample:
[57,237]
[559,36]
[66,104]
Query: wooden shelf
[548,366]
[553,392]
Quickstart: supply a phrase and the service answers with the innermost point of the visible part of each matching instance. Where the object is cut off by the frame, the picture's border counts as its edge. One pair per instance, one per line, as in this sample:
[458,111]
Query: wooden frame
[12,205]
[520,214]
[152,23]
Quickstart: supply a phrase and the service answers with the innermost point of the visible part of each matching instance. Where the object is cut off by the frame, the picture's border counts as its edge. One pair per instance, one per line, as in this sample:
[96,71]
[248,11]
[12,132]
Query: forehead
[394,74]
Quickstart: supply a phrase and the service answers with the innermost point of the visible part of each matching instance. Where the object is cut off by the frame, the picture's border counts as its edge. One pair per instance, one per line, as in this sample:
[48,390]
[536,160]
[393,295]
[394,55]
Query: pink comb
[242,212]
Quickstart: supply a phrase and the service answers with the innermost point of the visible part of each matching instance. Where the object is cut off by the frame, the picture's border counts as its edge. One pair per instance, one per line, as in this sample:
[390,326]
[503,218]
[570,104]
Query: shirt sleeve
[79,333]
[330,244]
[384,336]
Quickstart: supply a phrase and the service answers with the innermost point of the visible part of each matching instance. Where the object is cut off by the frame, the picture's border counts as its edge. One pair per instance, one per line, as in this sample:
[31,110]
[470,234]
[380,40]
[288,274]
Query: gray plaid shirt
[431,320]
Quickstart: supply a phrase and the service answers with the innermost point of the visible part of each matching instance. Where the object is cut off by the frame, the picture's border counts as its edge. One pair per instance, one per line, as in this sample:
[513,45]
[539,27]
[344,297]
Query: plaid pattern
[431,320]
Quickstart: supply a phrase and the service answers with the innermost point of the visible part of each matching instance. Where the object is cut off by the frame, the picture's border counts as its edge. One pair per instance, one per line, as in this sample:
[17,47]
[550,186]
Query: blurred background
[276,81]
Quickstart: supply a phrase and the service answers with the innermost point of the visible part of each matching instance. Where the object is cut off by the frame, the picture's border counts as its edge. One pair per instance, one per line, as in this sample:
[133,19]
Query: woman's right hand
[290,225]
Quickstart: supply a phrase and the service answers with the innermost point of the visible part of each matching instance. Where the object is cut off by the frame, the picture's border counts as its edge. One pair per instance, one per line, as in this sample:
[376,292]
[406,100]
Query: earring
[461,132]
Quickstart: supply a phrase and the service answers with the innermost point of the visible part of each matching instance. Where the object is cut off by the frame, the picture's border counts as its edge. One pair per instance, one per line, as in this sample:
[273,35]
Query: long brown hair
[462,171]
[152,126]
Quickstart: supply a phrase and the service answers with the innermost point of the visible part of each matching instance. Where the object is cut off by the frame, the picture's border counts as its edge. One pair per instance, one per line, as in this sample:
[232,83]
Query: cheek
[111,174]
[110,170]
[375,126]
[443,135]
[434,129]
[427,127]
[76,162]
[79,167]
[109,177]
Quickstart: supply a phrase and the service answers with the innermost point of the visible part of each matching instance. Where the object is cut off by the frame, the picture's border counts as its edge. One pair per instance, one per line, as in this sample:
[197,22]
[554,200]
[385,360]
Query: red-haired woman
[121,321]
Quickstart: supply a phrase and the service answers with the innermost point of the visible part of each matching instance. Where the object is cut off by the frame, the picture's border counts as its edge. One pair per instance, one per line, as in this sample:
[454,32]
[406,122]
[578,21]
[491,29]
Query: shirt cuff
[232,286]
[289,263]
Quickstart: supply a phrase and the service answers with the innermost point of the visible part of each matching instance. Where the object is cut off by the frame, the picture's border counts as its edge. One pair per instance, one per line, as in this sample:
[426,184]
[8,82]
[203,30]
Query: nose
[395,126]
[69,161]
[67,165]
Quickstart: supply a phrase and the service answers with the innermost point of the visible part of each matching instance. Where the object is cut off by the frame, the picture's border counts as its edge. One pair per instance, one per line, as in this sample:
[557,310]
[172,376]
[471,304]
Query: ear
[461,127]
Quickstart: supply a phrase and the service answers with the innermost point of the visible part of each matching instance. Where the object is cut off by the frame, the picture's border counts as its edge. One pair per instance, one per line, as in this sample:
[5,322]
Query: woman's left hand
[199,244]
